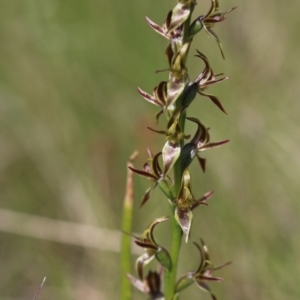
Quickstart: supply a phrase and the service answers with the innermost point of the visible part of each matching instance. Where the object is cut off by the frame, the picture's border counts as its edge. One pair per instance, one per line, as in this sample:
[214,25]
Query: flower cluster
[173,97]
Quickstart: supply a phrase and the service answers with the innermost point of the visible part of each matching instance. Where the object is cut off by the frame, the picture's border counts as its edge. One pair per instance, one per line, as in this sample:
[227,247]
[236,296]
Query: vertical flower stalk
[169,168]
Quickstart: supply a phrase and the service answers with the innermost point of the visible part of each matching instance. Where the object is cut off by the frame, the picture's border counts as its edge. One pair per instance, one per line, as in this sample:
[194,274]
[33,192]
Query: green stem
[176,237]
[126,259]
[170,277]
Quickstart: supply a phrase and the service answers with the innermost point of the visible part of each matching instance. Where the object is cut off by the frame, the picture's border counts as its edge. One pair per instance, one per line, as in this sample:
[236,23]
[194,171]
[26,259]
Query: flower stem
[176,235]
[176,231]
[170,277]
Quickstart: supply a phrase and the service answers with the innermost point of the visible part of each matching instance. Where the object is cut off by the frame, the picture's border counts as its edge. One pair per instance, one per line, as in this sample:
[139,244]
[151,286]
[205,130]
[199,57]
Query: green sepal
[163,256]
[189,93]
[175,45]
[174,131]
[179,59]
[195,27]
[175,297]
[184,282]
[188,153]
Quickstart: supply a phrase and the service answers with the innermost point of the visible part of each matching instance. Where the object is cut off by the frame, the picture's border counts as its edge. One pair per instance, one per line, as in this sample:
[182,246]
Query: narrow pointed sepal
[148,97]
[143,260]
[202,163]
[140,285]
[212,145]
[143,173]
[211,33]
[202,200]
[159,29]
[146,196]
[150,285]
[204,287]
[215,100]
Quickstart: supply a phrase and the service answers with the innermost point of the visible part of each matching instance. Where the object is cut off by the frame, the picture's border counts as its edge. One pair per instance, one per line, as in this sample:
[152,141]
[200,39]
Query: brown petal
[215,100]
[141,261]
[212,145]
[160,92]
[156,28]
[157,131]
[148,97]
[170,54]
[212,9]
[143,173]
[146,196]
[202,200]
[140,285]
[202,162]
[201,135]
[155,165]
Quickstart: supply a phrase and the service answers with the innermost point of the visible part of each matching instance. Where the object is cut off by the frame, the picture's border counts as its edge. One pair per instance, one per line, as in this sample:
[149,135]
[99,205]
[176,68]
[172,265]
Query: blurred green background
[70,116]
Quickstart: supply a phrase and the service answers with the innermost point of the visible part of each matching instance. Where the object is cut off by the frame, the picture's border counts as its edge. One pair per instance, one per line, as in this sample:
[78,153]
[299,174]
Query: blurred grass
[70,116]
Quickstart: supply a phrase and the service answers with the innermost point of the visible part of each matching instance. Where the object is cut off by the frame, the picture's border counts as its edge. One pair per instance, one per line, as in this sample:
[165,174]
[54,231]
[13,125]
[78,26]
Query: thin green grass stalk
[176,238]
[126,256]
